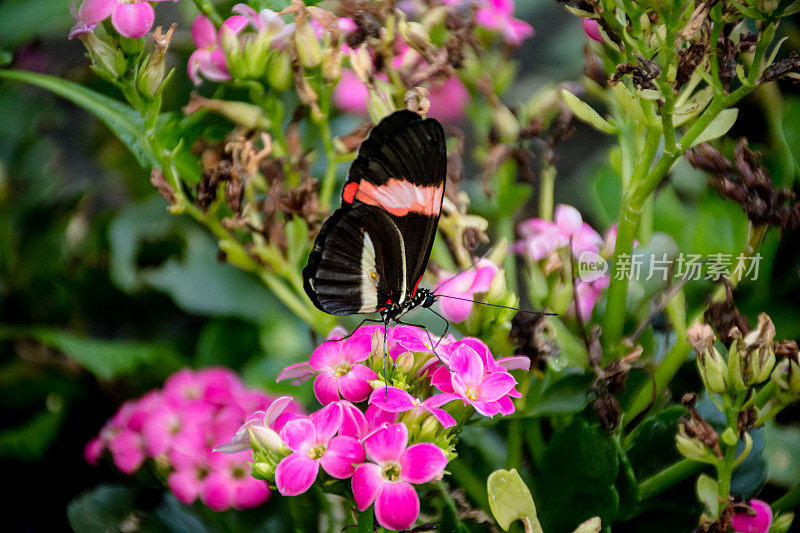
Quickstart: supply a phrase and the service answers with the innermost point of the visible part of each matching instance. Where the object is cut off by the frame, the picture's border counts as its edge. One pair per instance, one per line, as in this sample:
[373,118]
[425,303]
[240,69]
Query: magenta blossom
[464,285]
[387,480]
[759,522]
[208,59]
[313,444]
[396,400]
[496,15]
[592,29]
[131,18]
[471,378]
[338,368]
[177,426]
[265,424]
[543,237]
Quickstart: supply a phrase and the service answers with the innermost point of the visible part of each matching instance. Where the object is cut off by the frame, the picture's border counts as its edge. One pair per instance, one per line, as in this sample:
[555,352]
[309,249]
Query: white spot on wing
[369,276]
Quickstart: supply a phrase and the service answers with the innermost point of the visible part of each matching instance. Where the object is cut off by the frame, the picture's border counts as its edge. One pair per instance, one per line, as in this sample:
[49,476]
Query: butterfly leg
[430,339]
[370,320]
[385,356]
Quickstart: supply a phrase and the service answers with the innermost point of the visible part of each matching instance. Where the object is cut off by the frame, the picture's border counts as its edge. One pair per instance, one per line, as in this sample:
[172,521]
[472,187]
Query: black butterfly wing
[401,168]
[357,264]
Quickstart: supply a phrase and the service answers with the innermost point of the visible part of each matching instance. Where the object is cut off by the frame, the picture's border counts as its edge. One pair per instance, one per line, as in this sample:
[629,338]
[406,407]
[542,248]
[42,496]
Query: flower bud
[759,351]
[263,470]
[415,35]
[735,379]
[151,77]
[405,362]
[379,105]
[256,55]
[332,63]
[692,448]
[248,115]
[766,6]
[308,49]
[787,377]
[234,59]
[266,439]
[361,62]
[104,56]
[710,364]
[505,123]
[279,71]
[428,429]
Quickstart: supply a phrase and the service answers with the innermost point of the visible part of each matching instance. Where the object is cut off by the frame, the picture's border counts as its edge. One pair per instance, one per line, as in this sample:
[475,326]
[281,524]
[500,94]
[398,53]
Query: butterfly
[371,253]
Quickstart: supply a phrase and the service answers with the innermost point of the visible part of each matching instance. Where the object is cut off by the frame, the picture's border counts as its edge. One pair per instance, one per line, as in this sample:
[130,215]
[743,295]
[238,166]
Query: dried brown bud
[161,185]
[781,68]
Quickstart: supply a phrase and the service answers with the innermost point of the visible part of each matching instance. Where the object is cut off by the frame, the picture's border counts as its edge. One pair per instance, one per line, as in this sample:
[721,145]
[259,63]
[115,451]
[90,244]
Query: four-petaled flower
[394,400]
[340,372]
[387,480]
[313,444]
[208,59]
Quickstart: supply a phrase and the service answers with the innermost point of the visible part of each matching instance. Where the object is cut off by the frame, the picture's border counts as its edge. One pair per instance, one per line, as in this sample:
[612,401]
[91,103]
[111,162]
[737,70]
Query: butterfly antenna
[454,276]
[496,305]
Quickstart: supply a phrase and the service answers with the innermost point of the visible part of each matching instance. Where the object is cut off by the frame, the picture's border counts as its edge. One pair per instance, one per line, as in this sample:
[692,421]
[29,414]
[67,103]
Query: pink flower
[388,479]
[542,237]
[587,294]
[759,522]
[496,15]
[396,400]
[476,380]
[267,423]
[229,484]
[131,18]
[340,374]
[167,422]
[208,59]
[464,285]
[313,444]
[592,29]
[447,98]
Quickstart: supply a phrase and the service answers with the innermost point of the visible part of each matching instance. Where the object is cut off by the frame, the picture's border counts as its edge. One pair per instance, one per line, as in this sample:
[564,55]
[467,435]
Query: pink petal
[299,435]
[299,372]
[387,444]
[249,12]
[568,219]
[193,66]
[236,23]
[495,386]
[295,474]
[592,29]
[216,492]
[392,399]
[326,388]
[354,385]
[94,450]
[184,485]
[377,417]
[366,483]
[516,31]
[444,418]
[448,100]
[506,406]
[342,456]
[133,20]
[397,505]
[455,310]
[517,362]
[214,67]
[350,95]
[422,462]
[485,272]
[327,422]
[249,493]
[486,408]
[204,34]
[354,423]
[127,451]
[327,356]
[275,409]
[94,11]
[466,364]
[760,523]
[442,379]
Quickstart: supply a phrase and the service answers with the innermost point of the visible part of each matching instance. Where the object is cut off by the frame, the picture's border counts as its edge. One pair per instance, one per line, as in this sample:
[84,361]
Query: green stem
[547,181]
[331,157]
[726,465]
[515,438]
[670,476]
[207,9]
[772,408]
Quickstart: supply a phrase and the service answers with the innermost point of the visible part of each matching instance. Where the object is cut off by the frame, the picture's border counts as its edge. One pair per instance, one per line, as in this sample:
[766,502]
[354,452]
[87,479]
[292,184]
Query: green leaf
[791,124]
[200,284]
[104,509]
[30,441]
[718,127]
[585,112]
[708,493]
[593,525]
[510,500]
[560,394]
[105,359]
[653,447]
[121,119]
[693,106]
[576,480]
[782,449]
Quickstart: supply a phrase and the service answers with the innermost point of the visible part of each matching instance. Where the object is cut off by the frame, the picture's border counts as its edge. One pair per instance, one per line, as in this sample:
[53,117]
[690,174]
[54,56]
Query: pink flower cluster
[541,238]
[384,438]
[177,427]
[131,18]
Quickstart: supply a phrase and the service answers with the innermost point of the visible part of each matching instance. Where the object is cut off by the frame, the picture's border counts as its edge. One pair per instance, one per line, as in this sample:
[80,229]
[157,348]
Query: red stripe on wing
[400,197]
[349,192]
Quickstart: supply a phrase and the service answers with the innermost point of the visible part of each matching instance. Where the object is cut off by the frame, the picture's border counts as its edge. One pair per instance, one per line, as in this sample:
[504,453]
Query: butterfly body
[371,253]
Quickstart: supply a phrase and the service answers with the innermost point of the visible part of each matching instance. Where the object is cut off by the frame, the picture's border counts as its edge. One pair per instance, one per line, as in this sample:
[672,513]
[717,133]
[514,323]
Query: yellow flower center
[391,471]
[472,394]
[342,369]
[316,452]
